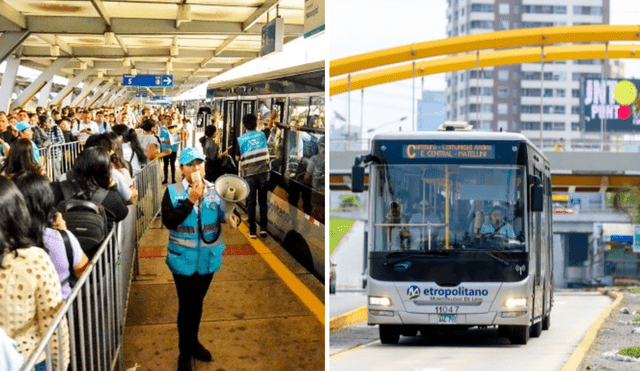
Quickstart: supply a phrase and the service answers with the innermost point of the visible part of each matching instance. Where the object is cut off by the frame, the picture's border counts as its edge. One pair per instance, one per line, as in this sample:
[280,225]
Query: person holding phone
[192,211]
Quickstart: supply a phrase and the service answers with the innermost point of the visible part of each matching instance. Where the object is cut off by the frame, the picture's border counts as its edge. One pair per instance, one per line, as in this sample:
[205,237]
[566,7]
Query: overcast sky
[359,26]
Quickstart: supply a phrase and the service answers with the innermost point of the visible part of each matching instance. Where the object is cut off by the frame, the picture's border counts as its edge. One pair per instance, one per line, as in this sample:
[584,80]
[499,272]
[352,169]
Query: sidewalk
[251,319]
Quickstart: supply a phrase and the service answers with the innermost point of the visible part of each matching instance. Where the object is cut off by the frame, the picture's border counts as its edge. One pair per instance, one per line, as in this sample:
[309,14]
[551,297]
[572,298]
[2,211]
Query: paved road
[343,302]
[477,350]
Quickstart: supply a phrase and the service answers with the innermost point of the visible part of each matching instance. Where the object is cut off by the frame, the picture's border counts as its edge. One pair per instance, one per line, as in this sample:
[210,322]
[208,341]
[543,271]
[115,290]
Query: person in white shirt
[497,225]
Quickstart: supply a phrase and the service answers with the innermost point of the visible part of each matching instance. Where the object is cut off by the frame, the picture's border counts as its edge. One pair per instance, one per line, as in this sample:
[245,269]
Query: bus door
[229,123]
[538,221]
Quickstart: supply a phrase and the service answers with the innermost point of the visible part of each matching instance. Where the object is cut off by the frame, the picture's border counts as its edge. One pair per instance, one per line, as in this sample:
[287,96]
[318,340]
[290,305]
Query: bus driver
[497,224]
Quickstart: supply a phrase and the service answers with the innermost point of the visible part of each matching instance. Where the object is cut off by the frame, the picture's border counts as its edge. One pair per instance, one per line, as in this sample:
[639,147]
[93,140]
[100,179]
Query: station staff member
[192,212]
[253,158]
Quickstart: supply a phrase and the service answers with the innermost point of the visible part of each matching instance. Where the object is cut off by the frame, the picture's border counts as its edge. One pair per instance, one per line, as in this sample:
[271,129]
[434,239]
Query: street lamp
[389,123]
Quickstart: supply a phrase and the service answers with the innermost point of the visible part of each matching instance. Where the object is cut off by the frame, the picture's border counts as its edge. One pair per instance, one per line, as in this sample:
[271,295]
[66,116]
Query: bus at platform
[287,95]
[458,235]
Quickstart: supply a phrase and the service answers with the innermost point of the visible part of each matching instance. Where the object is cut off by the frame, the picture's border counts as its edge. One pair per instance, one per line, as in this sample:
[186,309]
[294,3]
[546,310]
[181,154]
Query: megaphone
[231,189]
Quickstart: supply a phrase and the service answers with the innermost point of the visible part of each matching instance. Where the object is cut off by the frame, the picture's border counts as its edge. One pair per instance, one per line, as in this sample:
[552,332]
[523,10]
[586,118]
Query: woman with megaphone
[192,210]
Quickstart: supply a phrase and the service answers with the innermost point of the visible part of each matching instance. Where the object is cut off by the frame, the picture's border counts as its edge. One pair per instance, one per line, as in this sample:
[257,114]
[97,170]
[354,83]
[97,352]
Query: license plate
[448,319]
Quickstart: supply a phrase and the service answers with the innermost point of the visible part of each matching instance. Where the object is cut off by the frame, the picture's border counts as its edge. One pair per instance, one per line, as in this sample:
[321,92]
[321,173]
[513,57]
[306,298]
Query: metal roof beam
[102,11]
[73,82]
[86,90]
[8,82]
[223,46]
[40,81]
[141,26]
[116,53]
[55,40]
[11,15]
[99,93]
[9,41]
[114,88]
[253,18]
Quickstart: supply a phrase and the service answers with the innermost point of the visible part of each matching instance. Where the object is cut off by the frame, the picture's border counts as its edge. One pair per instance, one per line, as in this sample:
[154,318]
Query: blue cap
[22,126]
[190,154]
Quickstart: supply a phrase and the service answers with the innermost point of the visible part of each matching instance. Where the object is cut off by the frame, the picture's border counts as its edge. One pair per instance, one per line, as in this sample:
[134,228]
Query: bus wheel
[519,334]
[536,329]
[389,334]
[546,322]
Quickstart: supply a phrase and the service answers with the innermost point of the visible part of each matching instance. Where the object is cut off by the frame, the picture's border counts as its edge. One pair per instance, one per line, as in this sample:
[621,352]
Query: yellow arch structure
[486,59]
[491,40]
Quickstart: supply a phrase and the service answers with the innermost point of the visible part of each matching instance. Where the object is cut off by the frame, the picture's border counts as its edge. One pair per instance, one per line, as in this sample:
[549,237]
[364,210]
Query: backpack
[86,219]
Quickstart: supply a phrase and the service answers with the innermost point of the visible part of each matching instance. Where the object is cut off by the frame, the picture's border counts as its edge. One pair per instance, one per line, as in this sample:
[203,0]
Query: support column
[73,82]
[106,96]
[99,93]
[8,82]
[116,96]
[43,98]
[9,41]
[44,77]
[85,91]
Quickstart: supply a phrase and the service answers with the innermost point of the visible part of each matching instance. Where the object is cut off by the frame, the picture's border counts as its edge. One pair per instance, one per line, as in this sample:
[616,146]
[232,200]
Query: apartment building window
[575,110]
[548,126]
[504,8]
[587,10]
[556,76]
[586,61]
[504,25]
[455,16]
[503,109]
[544,9]
[536,24]
[530,125]
[514,109]
[530,75]
[461,94]
[576,76]
[462,77]
[516,9]
[485,126]
[483,8]
[463,110]
[462,29]
[548,93]
[475,73]
[503,125]
[530,92]
[553,109]
[462,12]
[485,25]
[484,91]
[503,92]
[454,97]
[575,126]
[485,108]
[530,108]
[575,93]
[559,93]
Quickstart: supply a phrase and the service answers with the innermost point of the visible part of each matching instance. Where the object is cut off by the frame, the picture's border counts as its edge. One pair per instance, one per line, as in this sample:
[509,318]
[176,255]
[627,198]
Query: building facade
[431,110]
[509,97]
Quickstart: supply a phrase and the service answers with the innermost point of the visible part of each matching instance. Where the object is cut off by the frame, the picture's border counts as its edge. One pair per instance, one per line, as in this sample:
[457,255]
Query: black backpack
[86,219]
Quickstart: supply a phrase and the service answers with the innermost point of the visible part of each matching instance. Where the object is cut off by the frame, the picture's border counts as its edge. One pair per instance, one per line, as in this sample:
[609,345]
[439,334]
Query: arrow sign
[149,81]
[142,94]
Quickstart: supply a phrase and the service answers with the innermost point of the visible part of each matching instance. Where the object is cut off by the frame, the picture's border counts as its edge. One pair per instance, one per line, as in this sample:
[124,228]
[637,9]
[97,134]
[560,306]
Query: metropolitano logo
[413,292]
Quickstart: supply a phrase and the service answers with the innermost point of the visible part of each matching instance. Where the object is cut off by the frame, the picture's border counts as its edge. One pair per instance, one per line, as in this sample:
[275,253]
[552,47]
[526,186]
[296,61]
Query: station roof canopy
[193,40]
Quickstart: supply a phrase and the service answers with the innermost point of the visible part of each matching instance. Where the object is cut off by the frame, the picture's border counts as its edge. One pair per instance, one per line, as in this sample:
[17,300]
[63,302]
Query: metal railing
[58,159]
[95,311]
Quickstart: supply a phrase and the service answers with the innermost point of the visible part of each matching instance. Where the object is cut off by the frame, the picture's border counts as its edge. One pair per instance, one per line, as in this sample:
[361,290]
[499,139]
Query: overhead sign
[142,94]
[313,17]
[272,37]
[161,97]
[466,151]
[149,81]
[610,99]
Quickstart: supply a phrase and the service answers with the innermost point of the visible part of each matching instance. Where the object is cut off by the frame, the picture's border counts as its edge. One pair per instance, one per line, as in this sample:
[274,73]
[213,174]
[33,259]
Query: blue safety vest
[187,253]
[254,154]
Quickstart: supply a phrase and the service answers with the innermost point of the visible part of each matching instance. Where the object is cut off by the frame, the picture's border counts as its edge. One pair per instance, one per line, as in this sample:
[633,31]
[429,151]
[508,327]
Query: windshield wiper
[494,255]
[415,254]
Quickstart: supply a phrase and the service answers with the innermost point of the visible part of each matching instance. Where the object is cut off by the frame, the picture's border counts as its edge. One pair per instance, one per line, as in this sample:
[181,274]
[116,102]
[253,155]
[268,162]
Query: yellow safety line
[290,279]
[338,355]
[349,318]
[578,354]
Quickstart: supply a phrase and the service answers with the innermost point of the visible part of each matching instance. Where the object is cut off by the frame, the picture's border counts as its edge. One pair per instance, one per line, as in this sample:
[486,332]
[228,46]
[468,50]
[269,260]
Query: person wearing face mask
[192,211]
[497,225]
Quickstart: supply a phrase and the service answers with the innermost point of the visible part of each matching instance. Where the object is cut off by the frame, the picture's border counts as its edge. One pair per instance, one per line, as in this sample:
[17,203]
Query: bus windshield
[437,207]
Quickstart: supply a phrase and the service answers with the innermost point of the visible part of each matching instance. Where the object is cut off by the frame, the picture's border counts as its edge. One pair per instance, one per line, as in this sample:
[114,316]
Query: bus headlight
[515,302]
[379,300]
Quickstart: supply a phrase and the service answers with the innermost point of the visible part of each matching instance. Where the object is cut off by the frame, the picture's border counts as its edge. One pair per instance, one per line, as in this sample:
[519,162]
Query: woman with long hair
[131,149]
[21,159]
[30,294]
[212,154]
[41,205]
[92,170]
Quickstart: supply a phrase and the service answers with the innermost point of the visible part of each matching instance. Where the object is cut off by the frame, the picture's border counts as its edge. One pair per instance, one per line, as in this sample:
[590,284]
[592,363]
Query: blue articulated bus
[459,234]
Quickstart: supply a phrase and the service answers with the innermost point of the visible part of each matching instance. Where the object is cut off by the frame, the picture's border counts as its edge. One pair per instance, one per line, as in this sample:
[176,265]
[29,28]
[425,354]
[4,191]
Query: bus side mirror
[537,194]
[357,178]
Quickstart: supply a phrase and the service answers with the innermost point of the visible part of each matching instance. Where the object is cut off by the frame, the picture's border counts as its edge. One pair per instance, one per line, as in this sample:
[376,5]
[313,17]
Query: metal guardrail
[95,311]
[58,159]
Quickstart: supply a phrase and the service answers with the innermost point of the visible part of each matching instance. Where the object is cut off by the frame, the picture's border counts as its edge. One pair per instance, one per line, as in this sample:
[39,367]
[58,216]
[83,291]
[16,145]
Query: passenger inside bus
[420,234]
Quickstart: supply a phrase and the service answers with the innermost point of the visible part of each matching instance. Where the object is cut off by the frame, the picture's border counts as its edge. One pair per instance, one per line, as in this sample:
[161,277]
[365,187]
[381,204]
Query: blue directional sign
[142,94]
[149,81]
[157,97]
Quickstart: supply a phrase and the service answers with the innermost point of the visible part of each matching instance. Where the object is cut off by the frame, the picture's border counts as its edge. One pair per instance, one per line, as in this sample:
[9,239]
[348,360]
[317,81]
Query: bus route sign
[149,81]
[452,151]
